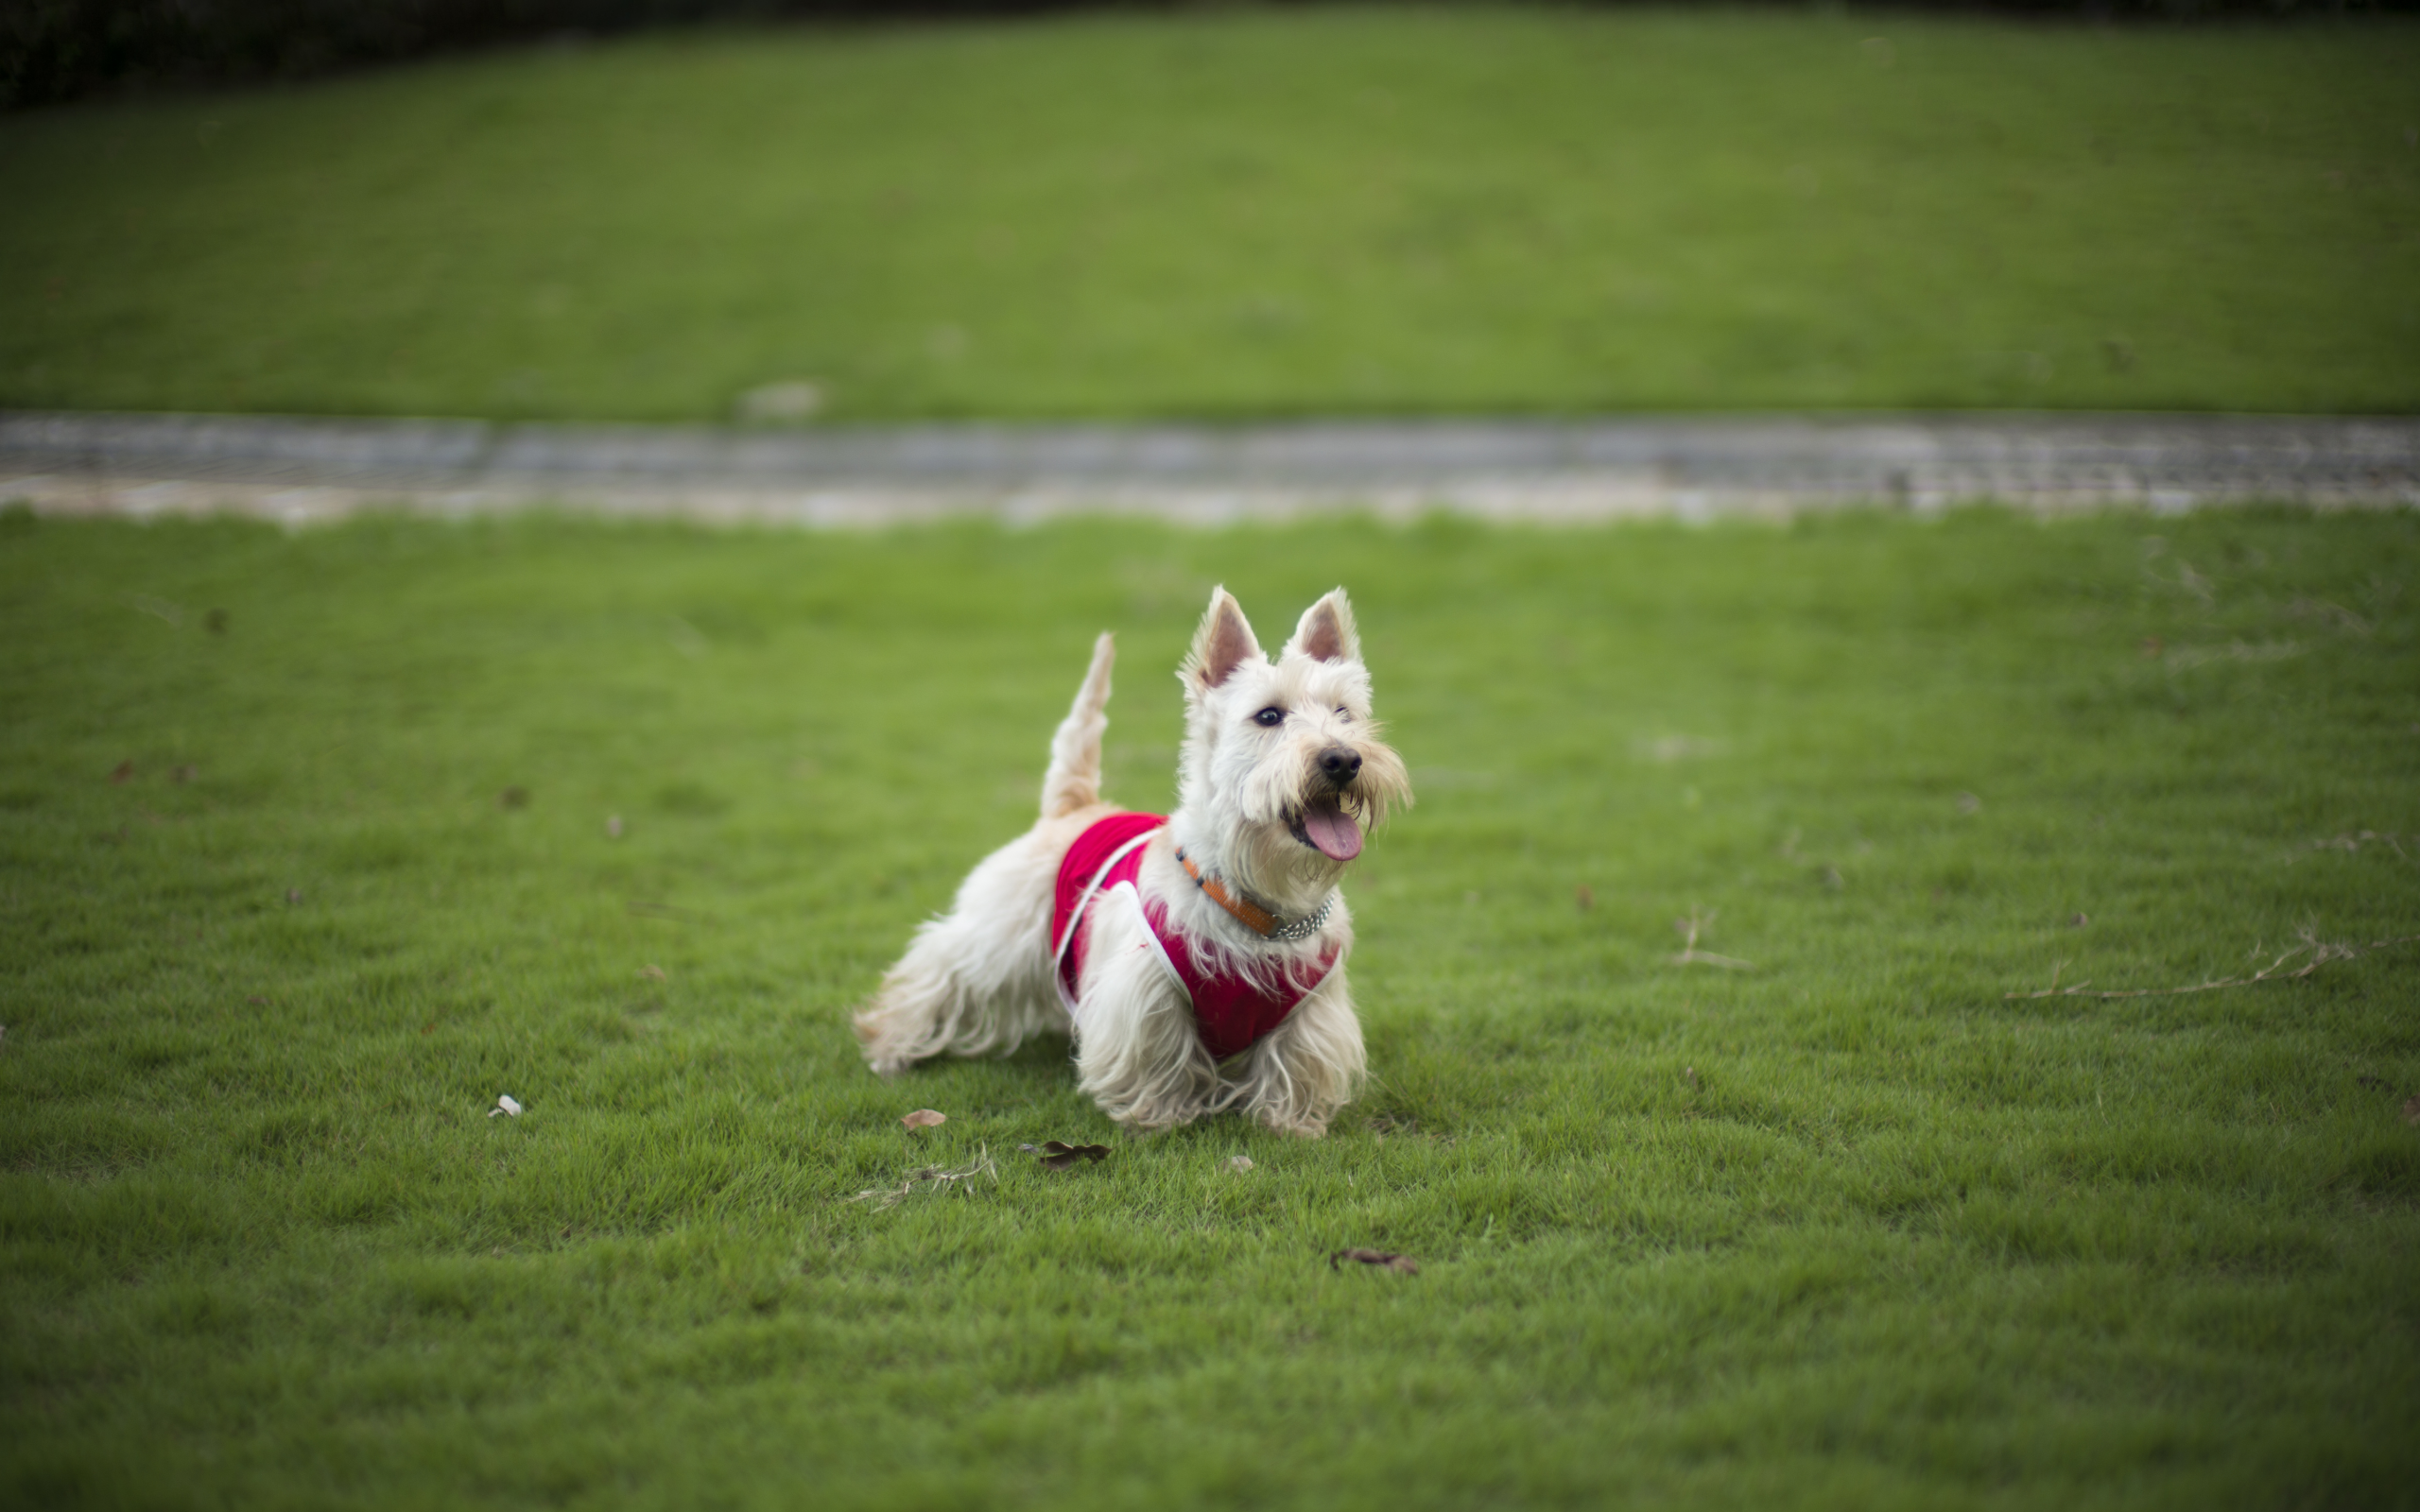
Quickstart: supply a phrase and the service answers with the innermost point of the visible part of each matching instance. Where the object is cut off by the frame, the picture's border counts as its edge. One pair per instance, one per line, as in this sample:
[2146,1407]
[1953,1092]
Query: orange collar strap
[1259,921]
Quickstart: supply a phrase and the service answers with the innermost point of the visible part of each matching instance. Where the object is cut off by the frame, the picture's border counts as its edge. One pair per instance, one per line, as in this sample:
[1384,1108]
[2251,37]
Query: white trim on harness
[1075,920]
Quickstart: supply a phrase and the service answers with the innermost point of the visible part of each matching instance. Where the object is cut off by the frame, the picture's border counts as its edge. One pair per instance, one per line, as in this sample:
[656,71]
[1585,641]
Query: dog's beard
[1279,863]
[1310,841]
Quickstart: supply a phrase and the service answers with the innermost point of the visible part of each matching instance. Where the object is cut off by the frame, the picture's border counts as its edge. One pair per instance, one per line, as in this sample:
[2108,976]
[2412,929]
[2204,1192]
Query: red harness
[1230,1013]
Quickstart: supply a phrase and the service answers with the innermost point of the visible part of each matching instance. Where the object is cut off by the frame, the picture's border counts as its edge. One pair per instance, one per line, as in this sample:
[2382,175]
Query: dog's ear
[1326,633]
[1223,643]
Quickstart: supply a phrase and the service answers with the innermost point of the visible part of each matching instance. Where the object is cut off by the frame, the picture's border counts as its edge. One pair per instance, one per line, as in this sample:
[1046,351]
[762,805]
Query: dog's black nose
[1340,764]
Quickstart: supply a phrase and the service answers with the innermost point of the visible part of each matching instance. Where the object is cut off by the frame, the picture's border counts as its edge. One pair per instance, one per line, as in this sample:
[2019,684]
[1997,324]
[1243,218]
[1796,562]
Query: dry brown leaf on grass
[652,971]
[1404,1264]
[923,1117]
[1059,1155]
[2411,1111]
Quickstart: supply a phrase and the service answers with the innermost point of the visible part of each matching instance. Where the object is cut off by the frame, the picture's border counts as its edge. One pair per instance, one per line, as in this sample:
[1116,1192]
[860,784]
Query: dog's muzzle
[1340,766]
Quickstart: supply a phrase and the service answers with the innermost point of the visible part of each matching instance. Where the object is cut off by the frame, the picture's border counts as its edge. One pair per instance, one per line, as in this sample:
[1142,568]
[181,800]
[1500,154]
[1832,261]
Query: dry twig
[2336,614]
[2351,842]
[1401,1264]
[2320,953]
[889,1198]
[1691,956]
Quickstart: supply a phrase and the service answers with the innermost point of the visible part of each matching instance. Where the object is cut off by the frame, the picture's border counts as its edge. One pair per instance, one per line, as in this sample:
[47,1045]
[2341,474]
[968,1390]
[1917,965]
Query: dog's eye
[1343,713]
[1269,718]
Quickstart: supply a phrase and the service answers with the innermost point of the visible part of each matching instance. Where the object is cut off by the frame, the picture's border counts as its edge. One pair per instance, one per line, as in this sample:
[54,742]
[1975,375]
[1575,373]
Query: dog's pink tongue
[1333,832]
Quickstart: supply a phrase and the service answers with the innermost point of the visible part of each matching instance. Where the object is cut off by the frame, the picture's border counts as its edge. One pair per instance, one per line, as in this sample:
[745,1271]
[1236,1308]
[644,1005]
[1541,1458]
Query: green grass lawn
[1849,1228]
[1250,212]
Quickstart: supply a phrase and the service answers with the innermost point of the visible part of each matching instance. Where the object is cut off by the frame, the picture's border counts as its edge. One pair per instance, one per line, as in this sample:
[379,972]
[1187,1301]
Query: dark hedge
[58,50]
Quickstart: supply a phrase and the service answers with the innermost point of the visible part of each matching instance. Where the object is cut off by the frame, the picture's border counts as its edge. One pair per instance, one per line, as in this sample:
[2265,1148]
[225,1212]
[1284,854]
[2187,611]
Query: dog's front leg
[1311,1065]
[1138,1053]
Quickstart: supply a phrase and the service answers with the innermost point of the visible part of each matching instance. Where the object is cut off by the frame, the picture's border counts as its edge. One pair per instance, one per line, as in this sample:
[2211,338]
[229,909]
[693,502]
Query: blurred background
[783,214]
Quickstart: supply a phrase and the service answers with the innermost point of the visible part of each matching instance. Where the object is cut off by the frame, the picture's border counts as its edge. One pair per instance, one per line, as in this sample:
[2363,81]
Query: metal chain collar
[1306,926]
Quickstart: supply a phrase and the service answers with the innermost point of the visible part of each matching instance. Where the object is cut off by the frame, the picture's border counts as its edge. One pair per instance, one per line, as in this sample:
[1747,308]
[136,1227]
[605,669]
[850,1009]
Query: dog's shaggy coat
[1281,772]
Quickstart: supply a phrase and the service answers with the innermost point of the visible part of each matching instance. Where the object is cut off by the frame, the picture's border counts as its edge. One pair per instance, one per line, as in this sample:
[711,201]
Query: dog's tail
[1074,779]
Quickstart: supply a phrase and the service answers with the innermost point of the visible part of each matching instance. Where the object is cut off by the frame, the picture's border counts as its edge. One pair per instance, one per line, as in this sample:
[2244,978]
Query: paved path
[299,470]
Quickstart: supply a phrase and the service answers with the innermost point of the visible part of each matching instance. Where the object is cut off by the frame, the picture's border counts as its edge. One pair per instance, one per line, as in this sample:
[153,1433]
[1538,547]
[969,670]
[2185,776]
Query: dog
[1198,960]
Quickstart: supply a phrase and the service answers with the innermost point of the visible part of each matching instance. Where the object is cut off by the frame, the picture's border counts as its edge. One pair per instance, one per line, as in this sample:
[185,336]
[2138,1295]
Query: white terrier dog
[1198,960]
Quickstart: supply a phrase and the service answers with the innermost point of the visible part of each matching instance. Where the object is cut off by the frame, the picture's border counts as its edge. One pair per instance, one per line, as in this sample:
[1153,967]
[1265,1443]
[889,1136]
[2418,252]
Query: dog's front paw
[884,1061]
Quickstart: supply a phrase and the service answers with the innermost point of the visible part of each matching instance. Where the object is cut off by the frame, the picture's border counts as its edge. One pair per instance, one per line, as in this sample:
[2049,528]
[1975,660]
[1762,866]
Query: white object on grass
[505,1106]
